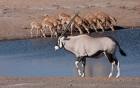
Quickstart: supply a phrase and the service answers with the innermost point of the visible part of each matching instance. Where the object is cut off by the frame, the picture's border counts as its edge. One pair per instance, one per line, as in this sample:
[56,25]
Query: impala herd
[91,21]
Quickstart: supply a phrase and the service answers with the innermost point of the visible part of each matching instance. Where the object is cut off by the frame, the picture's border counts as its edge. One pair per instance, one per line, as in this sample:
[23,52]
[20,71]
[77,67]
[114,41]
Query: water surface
[37,57]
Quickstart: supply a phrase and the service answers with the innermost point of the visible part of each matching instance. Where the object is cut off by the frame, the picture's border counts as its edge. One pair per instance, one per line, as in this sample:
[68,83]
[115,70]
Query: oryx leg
[83,66]
[113,61]
[112,67]
[77,65]
[117,63]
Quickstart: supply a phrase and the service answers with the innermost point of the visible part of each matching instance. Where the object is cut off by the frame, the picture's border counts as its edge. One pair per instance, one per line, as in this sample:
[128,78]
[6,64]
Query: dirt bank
[69,82]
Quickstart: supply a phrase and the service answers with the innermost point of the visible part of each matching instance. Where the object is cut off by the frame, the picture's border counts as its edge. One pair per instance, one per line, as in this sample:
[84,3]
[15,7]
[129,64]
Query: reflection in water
[37,57]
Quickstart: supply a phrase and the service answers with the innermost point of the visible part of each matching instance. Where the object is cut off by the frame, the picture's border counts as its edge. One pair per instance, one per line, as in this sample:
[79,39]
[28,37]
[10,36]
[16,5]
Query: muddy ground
[69,82]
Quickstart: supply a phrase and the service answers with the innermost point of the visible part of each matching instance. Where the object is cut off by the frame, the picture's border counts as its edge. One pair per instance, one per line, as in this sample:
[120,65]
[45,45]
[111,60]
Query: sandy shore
[69,82]
[16,15]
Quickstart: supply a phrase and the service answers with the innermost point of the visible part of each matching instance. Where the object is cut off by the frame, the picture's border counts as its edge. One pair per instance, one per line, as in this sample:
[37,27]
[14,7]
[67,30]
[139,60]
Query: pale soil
[69,82]
[16,15]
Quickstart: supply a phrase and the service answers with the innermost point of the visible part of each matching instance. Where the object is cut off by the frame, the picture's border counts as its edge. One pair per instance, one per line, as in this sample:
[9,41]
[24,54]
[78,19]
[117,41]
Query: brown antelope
[78,21]
[92,21]
[65,19]
[52,24]
[37,27]
[55,21]
[106,20]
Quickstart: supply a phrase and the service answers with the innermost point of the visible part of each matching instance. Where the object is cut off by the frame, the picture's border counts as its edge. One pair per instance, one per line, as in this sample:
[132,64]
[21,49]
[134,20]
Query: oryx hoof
[83,75]
[118,75]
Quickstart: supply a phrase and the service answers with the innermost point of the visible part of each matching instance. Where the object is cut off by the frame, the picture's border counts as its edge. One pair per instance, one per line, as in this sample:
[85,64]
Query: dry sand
[16,15]
[69,82]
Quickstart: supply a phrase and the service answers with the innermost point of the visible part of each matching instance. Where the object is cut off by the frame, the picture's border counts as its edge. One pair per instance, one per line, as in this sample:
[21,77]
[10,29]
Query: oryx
[84,46]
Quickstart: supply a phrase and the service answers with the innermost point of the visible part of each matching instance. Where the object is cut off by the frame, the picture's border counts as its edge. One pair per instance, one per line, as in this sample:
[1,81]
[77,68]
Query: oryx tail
[120,49]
